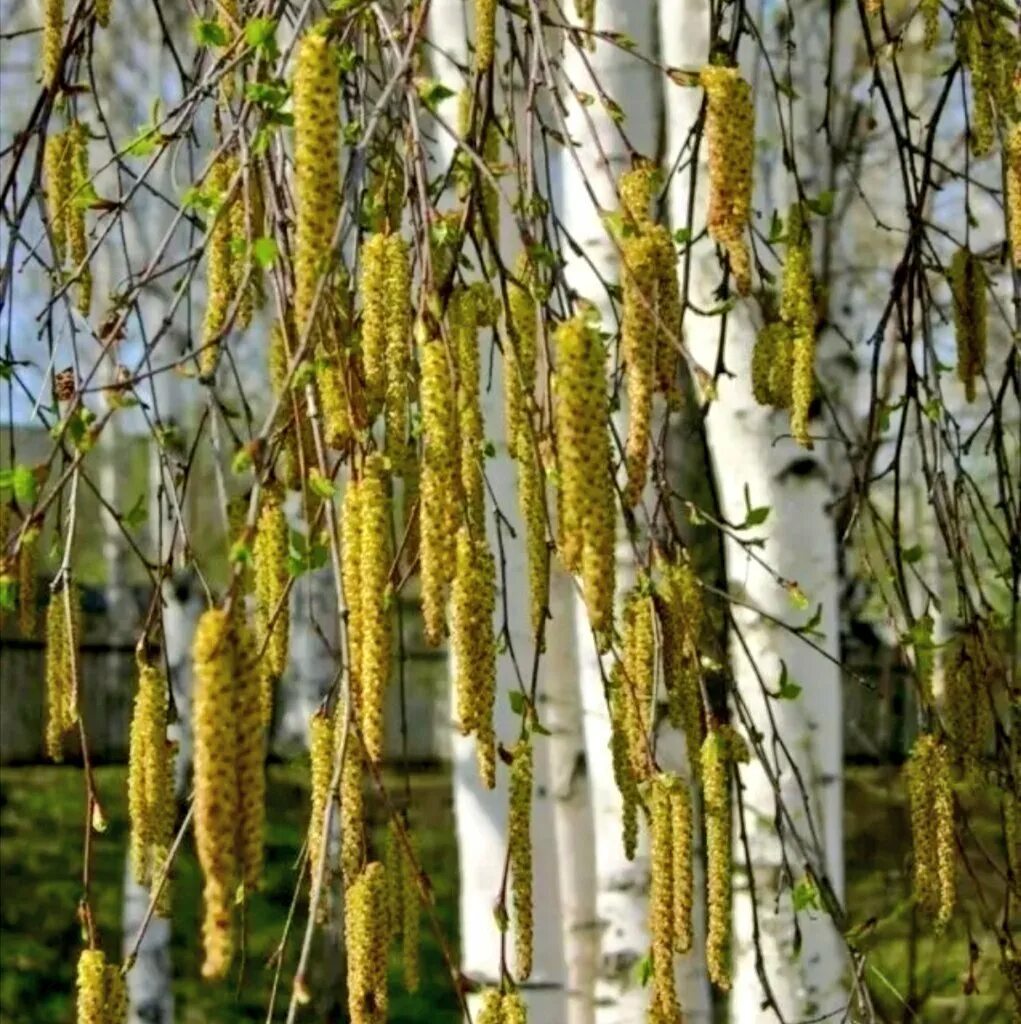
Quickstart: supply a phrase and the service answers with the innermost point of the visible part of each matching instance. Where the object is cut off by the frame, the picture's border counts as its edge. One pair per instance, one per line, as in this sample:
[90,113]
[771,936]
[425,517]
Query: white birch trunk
[481,814]
[621,886]
[573,825]
[802,735]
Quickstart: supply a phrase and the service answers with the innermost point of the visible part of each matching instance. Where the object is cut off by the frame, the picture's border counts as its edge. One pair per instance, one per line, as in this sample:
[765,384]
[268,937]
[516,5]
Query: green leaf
[209,32]
[21,480]
[268,95]
[643,971]
[913,554]
[805,895]
[321,485]
[85,197]
[240,552]
[145,141]
[242,461]
[517,701]
[264,251]
[757,516]
[432,93]
[8,591]
[260,34]
[137,514]
[822,204]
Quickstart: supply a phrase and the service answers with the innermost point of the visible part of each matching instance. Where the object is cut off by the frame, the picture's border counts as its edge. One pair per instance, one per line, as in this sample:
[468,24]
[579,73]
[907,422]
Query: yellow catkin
[683,878]
[248,216]
[513,1009]
[622,772]
[116,996]
[771,365]
[352,806]
[150,780]
[316,167]
[77,239]
[797,309]
[930,22]
[351,561]
[57,176]
[491,1007]
[474,645]
[989,46]
[519,351]
[91,987]
[367,942]
[1012,837]
[333,365]
[463,318]
[269,555]
[374,602]
[1013,201]
[373,284]
[320,746]
[397,283]
[638,338]
[681,616]
[532,497]
[639,652]
[661,902]
[636,188]
[930,793]
[410,926]
[485,34]
[28,551]
[294,425]
[730,130]
[216,784]
[968,288]
[519,831]
[402,906]
[668,314]
[581,413]
[251,753]
[970,666]
[716,789]
[437,484]
[53,41]
[63,666]
[219,277]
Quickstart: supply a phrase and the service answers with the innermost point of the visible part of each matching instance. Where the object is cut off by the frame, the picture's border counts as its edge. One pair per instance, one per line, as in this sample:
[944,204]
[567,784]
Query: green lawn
[40,855]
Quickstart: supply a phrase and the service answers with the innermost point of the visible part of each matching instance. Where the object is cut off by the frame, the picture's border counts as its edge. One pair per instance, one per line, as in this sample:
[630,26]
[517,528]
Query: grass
[40,855]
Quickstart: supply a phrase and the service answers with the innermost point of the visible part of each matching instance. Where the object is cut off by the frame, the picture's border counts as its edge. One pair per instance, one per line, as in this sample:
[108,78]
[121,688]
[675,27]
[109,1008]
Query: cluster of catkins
[783,357]
[671,604]
[382,908]
[730,132]
[68,196]
[502,1008]
[670,889]
[102,995]
[651,315]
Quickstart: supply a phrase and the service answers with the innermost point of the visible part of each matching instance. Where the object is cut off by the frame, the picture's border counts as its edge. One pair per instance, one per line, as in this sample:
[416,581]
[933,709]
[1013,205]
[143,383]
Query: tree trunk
[798,765]
[602,154]
[573,825]
[481,814]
